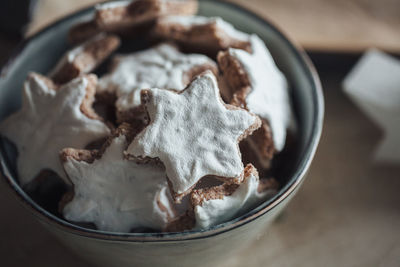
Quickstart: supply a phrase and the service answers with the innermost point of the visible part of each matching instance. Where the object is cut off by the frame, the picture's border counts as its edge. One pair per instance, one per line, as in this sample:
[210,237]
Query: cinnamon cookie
[162,66]
[194,134]
[50,119]
[129,18]
[222,203]
[113,193]
[255,83]
[84,58]
[201,34]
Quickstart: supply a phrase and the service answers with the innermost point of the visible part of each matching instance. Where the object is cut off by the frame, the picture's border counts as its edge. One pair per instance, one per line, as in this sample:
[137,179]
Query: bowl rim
[289,189]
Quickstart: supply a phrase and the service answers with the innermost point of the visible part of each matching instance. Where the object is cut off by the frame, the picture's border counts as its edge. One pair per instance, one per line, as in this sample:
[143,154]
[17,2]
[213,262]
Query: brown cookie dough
[201,34]
[83,31]
[124,14]
[84,58]
[214,205]
[238,87]
[129,18]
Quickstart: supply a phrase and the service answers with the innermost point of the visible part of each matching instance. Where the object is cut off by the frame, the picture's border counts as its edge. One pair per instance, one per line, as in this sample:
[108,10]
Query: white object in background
[374,85]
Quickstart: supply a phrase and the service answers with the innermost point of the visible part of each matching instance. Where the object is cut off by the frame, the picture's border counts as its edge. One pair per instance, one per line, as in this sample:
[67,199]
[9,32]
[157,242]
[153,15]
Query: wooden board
[325,25]
[346,214]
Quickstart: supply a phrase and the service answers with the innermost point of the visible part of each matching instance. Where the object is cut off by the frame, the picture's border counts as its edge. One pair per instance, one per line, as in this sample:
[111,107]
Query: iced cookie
[201,34]
[50,119]
[130,18]
[193,133]
[262,144]
[258,149]
[83,31]
[256,83]
[162,66]
[123,14]
[84,58]
[222,203]
[113,193]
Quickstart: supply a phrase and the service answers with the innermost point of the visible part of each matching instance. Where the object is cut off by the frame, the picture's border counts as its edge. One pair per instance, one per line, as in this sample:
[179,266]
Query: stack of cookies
[154,142]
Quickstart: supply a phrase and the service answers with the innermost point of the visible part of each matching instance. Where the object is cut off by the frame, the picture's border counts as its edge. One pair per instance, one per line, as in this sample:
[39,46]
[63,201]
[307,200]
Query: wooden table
[346,214]
[334,25]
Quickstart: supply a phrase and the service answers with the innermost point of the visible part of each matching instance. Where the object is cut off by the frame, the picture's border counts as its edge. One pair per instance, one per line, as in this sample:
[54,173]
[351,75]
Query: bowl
[192,248]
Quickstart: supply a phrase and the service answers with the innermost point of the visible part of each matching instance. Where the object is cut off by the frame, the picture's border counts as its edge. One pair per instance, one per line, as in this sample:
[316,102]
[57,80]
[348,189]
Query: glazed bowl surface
[40,52]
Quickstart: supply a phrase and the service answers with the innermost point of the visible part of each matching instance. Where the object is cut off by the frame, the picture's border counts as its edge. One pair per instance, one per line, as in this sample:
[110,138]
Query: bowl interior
[42,51]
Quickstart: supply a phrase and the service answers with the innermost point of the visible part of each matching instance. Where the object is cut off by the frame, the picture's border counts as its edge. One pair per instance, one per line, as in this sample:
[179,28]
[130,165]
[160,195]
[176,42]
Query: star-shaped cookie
[49,120]
[114,193]
[201,34]
[119,15]
[193,133]
[262,87]
[162,66]
[84,58]
[132,18]
[215,205]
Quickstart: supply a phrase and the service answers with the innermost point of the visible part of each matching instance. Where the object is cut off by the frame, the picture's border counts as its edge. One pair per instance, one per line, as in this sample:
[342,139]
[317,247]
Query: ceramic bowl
[193,248]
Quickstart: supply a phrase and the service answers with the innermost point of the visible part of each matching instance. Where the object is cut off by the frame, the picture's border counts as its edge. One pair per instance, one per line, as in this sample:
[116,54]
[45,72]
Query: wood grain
[346,213]
[325,25]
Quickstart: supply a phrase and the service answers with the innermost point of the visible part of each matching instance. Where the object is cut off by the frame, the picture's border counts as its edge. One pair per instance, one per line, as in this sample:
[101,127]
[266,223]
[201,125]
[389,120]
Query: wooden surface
[334,25]
[346,214]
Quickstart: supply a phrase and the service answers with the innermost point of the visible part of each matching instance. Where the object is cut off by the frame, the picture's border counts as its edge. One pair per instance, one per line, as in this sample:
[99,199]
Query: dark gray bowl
[40,52]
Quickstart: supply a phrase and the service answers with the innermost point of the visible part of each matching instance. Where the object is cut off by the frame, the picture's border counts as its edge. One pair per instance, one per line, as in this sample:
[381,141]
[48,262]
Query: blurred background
[348,211]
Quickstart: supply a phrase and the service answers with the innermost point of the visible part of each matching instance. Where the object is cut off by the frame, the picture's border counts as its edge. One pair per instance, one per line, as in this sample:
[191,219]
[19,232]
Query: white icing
[127,101]
[113,4]
[269,96]
[189,21]
[193,133]
[47,122]
[116,194]
[245,197]
[162,66]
